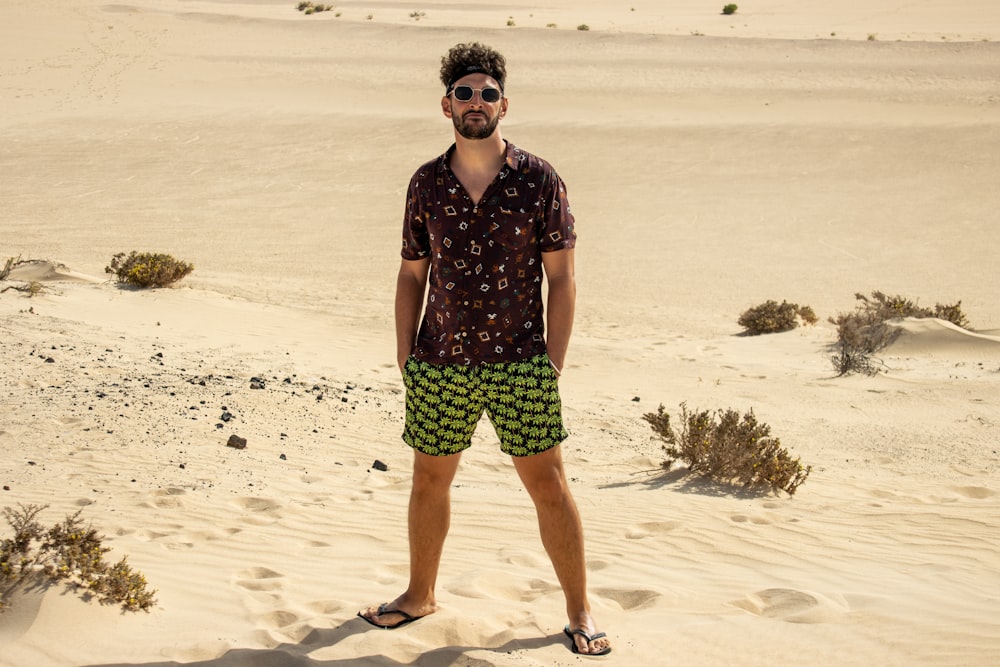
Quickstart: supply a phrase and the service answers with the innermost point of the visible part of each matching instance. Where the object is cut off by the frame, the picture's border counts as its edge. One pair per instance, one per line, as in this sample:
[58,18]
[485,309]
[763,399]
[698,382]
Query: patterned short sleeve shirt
[484,301]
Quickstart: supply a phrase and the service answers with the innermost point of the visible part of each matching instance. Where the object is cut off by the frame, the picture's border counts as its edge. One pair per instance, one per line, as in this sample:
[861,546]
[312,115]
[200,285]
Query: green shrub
[144,269]
[729,9]
[770,317]
[70,552]
[865,331]
[728,448]
[583,26]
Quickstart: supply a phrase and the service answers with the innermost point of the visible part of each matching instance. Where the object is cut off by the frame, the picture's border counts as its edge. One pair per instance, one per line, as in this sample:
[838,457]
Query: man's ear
[446,106]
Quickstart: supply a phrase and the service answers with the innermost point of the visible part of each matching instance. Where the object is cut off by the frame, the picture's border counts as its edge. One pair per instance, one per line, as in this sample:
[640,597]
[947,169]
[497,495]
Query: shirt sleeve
[416,242]
[558,230]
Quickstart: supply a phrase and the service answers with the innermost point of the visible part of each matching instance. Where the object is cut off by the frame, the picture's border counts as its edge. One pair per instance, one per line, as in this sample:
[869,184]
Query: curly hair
[464,59]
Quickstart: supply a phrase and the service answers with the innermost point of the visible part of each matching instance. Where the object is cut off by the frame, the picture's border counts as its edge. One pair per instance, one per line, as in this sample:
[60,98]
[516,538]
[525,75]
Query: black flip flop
[572,641]
[407,618]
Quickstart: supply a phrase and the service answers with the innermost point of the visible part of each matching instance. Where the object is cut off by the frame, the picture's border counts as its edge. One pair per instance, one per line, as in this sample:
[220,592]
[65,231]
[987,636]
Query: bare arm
[561,278]
[410,285]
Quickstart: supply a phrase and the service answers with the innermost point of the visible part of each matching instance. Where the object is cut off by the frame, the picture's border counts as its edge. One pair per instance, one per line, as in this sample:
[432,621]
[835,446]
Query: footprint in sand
[628,600]
[282,625]
[264,586]
[596,565]
[523,558]
[758,520]
[326,607]
[168,498]
[786,604]
[258,504]
[644,530]
[151,535]
[974,492]
[489,586]
[259,579]
[278,619]
[263,511]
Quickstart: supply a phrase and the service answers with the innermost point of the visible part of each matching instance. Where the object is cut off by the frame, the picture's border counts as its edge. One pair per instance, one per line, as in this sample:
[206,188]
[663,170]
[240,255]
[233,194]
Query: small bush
[729,9]
[144,269]
[770,317]
[310,8]
[728,448]
[66,552]
[849,359]
[865,331]
[583,26]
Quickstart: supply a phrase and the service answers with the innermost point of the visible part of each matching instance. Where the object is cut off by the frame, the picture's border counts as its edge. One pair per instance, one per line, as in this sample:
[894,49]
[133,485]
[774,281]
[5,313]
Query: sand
[802,152]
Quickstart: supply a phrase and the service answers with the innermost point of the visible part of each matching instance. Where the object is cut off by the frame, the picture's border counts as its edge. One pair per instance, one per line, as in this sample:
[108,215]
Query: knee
[549,488]
[429,482]
[433,476]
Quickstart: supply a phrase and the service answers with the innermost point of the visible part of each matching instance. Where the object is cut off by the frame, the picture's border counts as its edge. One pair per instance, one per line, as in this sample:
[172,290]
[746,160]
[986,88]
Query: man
[485,223]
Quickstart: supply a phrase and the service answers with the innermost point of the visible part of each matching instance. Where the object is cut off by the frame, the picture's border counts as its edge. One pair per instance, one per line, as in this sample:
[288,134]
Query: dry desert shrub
[68,551]
[772,317]
[8,265]
[728,448]
[867,330]
[32,288]
[146,269]
[310,8]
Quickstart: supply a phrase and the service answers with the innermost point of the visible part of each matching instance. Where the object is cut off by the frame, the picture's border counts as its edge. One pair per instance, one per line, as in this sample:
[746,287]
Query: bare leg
[562,536]
[429,520]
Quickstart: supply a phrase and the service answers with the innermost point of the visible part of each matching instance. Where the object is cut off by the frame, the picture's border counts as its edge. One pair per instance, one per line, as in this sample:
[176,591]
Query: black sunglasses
[488,95]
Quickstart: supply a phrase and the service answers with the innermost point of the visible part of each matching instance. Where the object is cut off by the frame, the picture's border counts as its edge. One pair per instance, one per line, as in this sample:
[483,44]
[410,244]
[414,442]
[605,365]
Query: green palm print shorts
[444,403]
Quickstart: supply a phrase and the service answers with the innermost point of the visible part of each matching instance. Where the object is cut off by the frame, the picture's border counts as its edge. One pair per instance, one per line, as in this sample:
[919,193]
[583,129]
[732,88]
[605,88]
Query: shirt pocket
[514,231]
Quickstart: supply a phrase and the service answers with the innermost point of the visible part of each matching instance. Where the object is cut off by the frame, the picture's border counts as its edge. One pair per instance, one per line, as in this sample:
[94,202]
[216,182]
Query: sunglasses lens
[465,93]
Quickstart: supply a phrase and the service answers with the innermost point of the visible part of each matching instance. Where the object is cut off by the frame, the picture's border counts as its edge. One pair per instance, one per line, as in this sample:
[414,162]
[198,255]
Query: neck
[480,154]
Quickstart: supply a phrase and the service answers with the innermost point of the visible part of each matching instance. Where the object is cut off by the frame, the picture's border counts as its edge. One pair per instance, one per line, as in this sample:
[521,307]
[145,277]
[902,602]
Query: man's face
[475,118]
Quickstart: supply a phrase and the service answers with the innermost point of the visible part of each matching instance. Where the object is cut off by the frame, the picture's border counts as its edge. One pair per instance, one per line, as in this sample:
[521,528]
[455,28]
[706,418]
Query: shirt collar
[511,157]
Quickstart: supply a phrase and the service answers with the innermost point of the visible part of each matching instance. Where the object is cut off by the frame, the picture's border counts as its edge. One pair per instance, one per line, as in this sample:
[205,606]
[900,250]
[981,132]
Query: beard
[476,130]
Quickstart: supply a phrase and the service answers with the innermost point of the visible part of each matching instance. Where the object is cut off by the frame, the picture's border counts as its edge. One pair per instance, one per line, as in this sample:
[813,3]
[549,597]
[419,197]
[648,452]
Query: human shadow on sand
[297,655]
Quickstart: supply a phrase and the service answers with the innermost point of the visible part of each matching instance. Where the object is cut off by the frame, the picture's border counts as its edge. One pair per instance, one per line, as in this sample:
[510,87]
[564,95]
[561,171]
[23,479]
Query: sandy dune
[713,162]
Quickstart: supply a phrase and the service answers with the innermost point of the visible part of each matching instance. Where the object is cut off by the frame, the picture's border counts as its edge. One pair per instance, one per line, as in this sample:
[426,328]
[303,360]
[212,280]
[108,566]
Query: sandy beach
[802,152]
